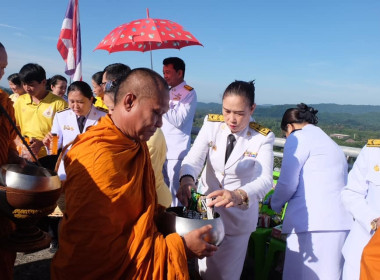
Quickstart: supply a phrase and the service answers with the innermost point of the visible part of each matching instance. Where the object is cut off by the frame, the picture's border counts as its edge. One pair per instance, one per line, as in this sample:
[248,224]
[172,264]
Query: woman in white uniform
[237,180]
[361,197]
[81,114]
[313,174]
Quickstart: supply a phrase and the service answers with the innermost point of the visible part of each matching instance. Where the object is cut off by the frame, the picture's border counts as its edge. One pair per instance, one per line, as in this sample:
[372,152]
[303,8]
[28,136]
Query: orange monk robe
[7,136]
[370,263]
[108,230]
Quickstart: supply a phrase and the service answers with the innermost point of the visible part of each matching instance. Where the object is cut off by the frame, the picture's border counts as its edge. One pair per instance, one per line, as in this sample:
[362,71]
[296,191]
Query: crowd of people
[126,156]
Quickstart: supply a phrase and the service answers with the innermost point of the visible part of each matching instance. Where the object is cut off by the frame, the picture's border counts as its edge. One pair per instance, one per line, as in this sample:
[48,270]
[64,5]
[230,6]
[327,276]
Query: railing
[350,152]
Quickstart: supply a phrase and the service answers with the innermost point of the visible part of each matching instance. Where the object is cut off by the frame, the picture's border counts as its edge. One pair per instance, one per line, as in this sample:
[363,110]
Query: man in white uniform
[361,198]
[177,122]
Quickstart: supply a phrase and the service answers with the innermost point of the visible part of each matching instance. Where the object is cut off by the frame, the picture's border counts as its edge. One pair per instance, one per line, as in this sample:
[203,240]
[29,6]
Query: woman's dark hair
[241,88]
[15,79]
[83,87]
[97,77]
[301,114]
[53,80]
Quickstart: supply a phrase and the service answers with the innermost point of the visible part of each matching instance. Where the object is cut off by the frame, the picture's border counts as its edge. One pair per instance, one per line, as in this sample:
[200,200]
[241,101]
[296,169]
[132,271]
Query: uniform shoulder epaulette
[63,110]
[215,118]
[189,88]
[259,128]
[373,143]
[102,109]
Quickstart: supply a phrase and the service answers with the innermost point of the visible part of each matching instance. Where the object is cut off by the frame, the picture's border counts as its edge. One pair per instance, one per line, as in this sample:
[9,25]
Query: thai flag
[69,42]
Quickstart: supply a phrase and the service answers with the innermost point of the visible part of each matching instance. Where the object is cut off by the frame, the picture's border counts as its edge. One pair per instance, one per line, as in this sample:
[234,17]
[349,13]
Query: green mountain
[355,123]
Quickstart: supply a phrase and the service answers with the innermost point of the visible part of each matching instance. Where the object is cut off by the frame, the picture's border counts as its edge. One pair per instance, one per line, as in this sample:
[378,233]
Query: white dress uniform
[313,174]
[65,125]
[177,125]
[361,197]
[249,168]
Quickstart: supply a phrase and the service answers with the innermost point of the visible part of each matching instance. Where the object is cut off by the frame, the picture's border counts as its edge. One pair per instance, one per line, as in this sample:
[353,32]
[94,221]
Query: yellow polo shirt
[157,150]
[36,120]
[100,103]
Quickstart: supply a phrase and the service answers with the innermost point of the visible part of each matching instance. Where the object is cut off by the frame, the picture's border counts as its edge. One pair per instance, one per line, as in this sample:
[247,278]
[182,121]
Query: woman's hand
[196,246]
[36,145]
[47,140]
[184,192]
[224,198]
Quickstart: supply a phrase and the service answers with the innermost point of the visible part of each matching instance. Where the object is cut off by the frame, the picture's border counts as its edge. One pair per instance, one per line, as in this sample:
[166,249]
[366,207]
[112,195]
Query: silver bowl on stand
[27,193]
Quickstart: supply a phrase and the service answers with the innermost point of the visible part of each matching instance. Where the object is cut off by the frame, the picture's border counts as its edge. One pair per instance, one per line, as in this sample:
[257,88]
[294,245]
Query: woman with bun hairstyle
[313,174]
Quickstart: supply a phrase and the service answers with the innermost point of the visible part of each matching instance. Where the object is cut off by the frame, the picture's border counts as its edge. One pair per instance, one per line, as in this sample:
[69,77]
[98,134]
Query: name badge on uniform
[67,127]
[250,154]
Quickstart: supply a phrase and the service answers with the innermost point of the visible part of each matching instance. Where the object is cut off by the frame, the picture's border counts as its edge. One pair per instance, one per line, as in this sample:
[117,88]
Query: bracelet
[244,199]
[186,175]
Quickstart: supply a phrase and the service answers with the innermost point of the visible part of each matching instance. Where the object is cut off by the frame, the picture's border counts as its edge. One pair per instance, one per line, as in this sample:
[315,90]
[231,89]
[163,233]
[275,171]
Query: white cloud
[10,26]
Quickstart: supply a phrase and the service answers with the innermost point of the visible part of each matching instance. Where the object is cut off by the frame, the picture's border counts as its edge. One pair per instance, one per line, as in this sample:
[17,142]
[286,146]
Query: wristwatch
[374,224]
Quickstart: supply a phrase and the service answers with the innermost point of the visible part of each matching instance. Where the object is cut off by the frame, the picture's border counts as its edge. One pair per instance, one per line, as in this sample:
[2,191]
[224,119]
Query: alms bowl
[185,225]
[29,178]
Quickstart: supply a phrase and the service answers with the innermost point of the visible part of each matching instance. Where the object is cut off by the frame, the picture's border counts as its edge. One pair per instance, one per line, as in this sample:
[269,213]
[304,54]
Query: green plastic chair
[275,246]
[257,249]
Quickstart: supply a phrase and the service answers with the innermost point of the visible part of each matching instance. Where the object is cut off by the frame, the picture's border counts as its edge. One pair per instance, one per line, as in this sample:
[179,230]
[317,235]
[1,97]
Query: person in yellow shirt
[35,110]
[16,86]
[98,90]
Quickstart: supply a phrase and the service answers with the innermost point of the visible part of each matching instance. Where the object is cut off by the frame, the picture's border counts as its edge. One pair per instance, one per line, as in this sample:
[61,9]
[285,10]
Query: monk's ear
[129,101]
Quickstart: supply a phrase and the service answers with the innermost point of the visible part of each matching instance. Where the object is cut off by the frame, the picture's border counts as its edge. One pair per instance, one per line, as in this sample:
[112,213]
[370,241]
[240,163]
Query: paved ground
[35,266]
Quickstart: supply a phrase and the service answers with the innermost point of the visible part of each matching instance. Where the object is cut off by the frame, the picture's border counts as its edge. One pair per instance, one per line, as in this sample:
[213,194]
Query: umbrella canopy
[147,35]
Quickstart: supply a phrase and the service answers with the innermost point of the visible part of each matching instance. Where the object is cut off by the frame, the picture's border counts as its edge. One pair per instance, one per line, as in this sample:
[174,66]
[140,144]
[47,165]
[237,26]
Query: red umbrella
[147,35]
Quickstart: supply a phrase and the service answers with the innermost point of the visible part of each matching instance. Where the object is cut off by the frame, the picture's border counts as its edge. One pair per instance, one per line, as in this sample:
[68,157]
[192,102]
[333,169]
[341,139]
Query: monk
[8,154]
[109,229]
[370,263]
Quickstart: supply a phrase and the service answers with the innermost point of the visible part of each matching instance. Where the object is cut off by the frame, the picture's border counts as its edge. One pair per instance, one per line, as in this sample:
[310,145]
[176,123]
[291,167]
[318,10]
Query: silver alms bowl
[29,177]
[185,225]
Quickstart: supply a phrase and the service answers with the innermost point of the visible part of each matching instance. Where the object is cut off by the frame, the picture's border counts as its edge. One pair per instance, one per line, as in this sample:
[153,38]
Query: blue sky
[325,51]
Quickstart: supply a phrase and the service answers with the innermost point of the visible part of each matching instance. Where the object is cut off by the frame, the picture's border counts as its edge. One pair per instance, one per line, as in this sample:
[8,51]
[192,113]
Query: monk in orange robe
[108,230]
[8,154]
[370,263]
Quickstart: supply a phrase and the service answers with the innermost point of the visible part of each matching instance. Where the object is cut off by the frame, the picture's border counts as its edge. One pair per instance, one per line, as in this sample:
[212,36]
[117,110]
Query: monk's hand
[195,244]
[224,198]
[184,191]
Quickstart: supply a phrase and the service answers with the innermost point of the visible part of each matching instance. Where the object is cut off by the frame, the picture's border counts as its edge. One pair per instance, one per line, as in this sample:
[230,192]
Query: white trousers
[314,255]
[171,171]
[227,262]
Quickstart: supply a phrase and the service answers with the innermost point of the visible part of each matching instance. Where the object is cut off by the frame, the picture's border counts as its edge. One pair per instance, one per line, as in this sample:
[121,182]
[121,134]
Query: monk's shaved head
[3,60]
[142,82]
[141,100]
